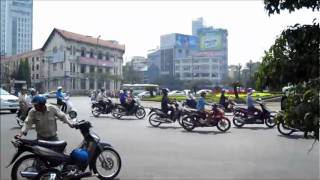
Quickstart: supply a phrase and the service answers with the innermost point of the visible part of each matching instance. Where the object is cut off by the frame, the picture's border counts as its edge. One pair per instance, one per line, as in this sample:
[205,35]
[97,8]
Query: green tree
[23,72]
[276,6]
[130,75]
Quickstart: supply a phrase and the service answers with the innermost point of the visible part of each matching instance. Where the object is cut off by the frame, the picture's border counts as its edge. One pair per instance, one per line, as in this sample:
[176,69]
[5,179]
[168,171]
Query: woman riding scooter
[164,104]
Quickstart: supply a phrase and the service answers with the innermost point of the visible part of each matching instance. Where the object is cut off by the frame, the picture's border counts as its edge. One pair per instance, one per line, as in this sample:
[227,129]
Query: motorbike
[47,158]
[157,116]
[292,127]
[196,119]
[70,109]
[138,110]
[97,109]
[243,116]
[229,107]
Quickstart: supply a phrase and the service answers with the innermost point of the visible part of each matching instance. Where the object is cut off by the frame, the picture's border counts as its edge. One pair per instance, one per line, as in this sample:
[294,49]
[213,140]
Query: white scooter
[70,109]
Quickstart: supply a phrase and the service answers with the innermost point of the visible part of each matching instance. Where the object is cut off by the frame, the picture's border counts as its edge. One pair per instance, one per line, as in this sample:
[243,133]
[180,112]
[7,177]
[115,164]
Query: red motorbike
[197,119]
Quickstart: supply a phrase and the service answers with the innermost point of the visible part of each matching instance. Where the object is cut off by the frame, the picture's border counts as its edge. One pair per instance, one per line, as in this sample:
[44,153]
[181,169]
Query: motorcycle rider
[130,101]
[223,99]
[164,104]
[60,98]
[44,118]
[101,98]
[250,103]
[191,101]
[123,99]
[23,103]
[206,114]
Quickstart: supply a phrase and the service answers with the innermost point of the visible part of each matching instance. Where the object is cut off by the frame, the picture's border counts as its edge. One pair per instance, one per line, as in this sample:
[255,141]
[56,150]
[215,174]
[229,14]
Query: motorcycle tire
[116,161]
[14,170]
[188,123]
[237,123]
[73,114]
[95,112]
[116,113]
[282,128]
[140,113]
[224,124]
[270,122]
[152,122]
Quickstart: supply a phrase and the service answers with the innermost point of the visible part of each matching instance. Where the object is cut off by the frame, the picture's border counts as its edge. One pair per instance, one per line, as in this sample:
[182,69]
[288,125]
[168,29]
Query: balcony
[95,62]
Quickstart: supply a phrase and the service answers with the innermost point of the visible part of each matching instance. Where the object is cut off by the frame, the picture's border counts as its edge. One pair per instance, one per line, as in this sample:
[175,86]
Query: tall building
[16,26]
[196,25]
[153,65]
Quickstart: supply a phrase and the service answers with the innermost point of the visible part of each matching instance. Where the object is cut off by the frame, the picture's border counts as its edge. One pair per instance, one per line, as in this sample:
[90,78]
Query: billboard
[186,41]
[211,41]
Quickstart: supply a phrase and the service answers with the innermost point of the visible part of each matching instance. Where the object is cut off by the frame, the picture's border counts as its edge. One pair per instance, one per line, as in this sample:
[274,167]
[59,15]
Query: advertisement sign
[185,41]
[211,41]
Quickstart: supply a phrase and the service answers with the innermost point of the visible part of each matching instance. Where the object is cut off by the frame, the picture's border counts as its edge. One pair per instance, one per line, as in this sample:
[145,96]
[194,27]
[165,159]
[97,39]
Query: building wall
[16,26]
[76,75]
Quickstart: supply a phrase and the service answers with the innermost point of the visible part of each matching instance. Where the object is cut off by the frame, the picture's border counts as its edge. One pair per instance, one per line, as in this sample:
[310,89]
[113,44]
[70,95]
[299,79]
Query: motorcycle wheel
[16,171]
[188,123]
[152,121]
[224,124]
[95,112]
[72,114]
[140,113]
[49,174]
[116,113]
[269,122]
[107,164]
[284,129]
[237,123]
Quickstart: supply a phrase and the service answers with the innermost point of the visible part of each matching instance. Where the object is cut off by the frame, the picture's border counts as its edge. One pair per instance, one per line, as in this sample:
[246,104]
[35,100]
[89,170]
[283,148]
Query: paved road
[169,152]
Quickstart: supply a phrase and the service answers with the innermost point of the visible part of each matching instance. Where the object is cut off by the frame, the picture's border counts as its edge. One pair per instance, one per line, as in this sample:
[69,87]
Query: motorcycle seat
[55,145]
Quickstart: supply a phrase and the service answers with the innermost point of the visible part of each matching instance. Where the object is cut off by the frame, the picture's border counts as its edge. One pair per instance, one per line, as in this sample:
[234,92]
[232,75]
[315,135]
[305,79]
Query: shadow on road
[254,128]
[297,136]
[205,132]
[165,127]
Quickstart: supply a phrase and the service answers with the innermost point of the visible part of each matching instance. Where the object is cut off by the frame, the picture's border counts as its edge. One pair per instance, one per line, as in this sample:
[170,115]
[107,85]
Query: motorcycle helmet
[250,90]
[59,88]
[39,100]
[165,91]
[102,90]
[203,93]
[32,90]
[79,156]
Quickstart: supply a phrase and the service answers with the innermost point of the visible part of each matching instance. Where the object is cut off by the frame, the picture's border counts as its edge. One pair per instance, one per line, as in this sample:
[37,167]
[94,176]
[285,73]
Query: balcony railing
[95,62]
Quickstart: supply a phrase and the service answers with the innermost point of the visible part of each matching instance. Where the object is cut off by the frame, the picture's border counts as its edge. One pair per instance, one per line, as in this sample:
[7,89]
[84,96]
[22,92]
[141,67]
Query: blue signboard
[186,41]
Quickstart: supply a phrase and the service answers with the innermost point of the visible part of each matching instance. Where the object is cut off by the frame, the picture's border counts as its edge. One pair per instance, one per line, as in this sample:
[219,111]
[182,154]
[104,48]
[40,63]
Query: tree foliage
[294,57]
[275,6]
[23,72]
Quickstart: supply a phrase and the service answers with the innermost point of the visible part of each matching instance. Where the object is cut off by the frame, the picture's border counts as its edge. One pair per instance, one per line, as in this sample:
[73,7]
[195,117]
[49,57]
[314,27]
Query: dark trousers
[62,104]
[171,109]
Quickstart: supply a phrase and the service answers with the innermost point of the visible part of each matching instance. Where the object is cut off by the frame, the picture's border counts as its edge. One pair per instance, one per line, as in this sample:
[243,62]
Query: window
[83,50]
[100,55]
[83,83]
[91,83]
[37,76]
[32,76]
[37,58]
[180,51]
[82,68]
[91,69]
[91,53]
[54,67]
[100,70]
[61,66]
[32,68]
[37,67]
[107,56]
[73,84]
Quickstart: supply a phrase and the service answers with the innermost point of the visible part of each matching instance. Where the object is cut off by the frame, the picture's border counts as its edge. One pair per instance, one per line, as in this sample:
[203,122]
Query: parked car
[176,93]
[144,94]
[203,90]
[8,101]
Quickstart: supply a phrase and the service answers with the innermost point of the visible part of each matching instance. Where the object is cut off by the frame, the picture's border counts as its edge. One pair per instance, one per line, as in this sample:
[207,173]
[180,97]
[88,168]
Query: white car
[203,90]
[144,94]
[8,101]
[176,93]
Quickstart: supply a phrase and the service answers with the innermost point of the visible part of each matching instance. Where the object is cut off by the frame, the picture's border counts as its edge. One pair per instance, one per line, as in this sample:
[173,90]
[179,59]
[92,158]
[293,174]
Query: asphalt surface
[170,152]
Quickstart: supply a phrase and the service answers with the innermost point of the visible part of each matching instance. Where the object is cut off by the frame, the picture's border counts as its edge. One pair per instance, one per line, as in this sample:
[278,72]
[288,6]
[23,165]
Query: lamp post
[97,61]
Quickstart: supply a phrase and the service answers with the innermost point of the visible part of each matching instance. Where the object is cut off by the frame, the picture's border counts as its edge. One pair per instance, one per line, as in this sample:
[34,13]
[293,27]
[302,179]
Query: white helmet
[59,87]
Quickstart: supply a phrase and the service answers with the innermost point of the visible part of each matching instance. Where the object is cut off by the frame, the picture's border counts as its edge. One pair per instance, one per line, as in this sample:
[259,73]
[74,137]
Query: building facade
[10,65]
[74,61]
[16,26]
[196,25]
[79,63]
[153,65]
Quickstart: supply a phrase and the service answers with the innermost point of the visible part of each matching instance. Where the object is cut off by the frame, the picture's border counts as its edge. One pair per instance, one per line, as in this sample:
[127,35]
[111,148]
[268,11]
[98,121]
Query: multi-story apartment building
[78,62]
[16,26]
[10,65]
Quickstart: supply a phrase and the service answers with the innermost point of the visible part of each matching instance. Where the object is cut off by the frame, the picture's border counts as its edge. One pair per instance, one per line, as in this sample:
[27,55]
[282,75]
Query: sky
[139,24]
